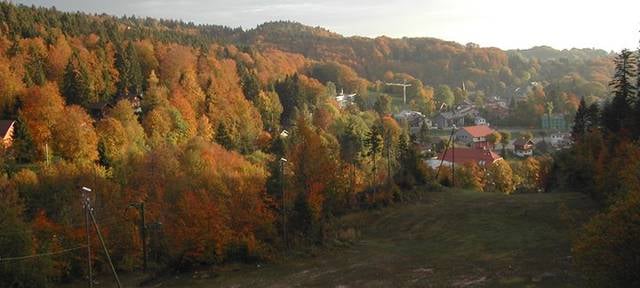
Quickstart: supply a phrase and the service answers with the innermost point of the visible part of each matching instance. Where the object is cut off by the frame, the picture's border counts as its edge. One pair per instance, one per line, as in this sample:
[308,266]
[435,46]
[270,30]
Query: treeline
[196,132]
[492,71]
[486,72]
[604,163]
[531,175]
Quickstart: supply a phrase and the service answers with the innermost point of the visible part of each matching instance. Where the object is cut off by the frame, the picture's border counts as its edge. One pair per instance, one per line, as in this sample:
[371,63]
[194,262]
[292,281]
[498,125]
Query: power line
[7,259]
[103,222]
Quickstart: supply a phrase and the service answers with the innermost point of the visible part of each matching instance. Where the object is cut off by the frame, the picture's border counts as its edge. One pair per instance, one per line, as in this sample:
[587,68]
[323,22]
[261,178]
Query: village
[463,135]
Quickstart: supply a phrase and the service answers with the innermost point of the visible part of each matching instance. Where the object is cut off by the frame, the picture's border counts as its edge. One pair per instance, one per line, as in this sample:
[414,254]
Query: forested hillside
[189,120]
[435,62]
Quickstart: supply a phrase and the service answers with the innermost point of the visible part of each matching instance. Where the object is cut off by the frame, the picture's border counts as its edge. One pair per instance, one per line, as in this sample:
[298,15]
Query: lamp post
[284,203]
[90,216]
[85,203]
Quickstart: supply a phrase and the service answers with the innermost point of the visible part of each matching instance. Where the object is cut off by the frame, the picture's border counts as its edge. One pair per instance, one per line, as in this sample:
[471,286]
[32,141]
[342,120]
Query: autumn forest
[234,145]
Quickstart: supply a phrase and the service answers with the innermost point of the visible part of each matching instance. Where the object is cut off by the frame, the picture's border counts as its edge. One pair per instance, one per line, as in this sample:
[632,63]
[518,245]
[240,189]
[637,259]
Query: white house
[345,100]
[480,121]
[559,139]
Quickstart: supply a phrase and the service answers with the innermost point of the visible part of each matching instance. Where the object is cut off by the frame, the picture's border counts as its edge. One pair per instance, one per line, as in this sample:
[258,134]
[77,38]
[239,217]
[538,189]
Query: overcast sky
[507,24]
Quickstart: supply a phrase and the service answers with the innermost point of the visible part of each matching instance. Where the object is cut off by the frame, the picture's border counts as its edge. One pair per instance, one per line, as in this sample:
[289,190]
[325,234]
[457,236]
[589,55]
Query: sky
[508,24]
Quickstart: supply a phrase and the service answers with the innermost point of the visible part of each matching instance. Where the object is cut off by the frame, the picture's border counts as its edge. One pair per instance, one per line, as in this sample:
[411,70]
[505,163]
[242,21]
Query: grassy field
[449,239]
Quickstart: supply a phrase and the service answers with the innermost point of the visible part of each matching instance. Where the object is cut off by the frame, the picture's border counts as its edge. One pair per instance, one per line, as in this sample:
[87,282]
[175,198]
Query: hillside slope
[450,239]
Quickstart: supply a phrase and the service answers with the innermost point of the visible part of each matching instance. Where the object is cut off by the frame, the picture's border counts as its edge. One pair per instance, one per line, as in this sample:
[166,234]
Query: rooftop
[478,130]
[522,141]
[465,155]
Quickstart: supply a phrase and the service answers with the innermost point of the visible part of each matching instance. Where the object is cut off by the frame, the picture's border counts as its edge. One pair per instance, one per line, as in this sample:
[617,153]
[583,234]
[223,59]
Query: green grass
[449,239]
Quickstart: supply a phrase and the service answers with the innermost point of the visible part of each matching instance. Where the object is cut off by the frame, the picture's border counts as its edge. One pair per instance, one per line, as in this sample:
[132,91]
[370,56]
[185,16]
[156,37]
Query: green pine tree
[78,86]
[23,146]
[579,122]
[617,114]
[249,82]
[222,137]
[374,142]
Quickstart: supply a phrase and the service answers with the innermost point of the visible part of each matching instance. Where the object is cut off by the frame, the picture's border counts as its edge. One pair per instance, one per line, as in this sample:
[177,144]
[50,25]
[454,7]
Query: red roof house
[474,136]
[523,147]
[466,155]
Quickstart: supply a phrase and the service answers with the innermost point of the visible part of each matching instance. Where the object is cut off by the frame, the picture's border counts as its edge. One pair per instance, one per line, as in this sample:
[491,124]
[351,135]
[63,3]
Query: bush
[608,249]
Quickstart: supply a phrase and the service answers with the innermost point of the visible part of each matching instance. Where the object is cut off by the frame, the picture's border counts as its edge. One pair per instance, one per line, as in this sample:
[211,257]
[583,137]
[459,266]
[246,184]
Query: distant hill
[435,61]
[545,53]
[491,71]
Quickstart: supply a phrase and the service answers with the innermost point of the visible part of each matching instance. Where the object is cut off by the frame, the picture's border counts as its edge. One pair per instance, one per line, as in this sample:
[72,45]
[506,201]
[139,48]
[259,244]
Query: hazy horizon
[558,24]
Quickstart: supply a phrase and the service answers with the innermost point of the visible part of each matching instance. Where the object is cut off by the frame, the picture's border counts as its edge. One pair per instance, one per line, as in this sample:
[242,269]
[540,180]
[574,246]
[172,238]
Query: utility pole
[284,206]
[85,201]
[404,86]
[388,144]
[143,233]
[104,246]
[46,152]
[453,155]
[453,160]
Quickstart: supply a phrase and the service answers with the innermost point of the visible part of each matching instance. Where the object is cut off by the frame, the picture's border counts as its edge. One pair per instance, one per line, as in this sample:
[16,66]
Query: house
[466,109]
[414,119]
[460,156]
[521,93]
[554,122]
[345,100]
[474,136]
[446,120]
[480,121]
[560,139]
[136,102]
[99,109]
[497,109]
[462,114]
[523,147]
[6,132]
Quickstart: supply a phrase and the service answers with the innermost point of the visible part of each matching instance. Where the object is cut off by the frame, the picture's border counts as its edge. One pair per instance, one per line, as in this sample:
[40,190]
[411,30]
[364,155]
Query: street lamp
[283,161]
[89,216]
[85,203]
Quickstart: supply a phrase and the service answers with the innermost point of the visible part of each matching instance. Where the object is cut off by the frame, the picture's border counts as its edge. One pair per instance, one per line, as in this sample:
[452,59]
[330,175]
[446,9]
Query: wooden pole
[104,247]
[87,228]
[143,232]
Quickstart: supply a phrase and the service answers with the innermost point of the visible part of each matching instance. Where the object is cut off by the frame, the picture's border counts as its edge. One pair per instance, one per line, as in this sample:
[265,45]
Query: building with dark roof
[461,156]
[457,117]
[523,147]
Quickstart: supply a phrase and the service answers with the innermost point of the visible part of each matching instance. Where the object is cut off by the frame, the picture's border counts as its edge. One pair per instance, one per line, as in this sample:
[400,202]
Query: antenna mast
[404,86]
